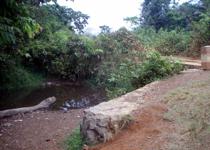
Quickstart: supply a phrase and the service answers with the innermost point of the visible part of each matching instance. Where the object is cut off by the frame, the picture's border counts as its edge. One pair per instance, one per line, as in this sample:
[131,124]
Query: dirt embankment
[159,125]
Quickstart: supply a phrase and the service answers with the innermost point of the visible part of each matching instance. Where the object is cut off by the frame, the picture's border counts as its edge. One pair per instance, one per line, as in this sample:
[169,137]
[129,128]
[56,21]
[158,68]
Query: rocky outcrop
[100,123]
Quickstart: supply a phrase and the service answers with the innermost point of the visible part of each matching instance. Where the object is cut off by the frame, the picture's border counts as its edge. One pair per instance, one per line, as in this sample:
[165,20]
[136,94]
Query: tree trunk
[44,104]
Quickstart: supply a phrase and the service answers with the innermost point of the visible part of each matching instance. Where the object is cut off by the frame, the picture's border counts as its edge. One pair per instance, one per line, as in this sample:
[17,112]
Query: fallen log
[43,104]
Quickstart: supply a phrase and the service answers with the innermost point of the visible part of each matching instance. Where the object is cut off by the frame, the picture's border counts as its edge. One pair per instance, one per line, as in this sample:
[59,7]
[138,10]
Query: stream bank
[42,130]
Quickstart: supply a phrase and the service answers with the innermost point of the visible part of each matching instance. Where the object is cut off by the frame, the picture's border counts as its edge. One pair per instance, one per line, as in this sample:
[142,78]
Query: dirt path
[38,130]
[150,131]
[190,62]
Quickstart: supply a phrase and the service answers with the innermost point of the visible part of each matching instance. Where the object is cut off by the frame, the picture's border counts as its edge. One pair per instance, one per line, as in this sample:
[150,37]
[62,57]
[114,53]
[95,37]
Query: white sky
[106,12]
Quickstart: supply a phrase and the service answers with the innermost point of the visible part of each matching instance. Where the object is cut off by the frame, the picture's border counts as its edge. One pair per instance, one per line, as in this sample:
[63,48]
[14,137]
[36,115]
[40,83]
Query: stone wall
[100,123]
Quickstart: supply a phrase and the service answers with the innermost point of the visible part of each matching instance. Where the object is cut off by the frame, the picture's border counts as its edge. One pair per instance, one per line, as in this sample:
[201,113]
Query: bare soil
[40,130]
[150,129]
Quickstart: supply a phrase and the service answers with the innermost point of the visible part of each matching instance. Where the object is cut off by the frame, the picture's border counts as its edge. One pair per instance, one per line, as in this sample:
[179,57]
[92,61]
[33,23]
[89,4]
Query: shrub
[175,42]
[14,76]
[75,141]
[147,36]
[119,81]
[71,59]
[128,74]
[200,35]
[120,41]
[127,40]
[156,67]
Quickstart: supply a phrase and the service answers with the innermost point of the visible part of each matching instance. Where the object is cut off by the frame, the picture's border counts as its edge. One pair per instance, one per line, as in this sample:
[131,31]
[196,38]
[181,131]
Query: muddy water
[77,96]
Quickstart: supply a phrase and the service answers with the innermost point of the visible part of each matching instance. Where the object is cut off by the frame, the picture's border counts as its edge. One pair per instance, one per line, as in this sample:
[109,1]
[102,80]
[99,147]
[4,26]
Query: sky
[106,12]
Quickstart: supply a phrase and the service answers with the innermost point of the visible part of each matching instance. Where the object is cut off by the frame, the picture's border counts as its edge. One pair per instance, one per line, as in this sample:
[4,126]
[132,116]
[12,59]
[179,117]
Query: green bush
[17,78]
[127,75]
[69,57]
[75,141]
[200,35]
[119,81]
[175,42]
[120,41]
[156,67]
[127,40]
[147,36]
[14,76]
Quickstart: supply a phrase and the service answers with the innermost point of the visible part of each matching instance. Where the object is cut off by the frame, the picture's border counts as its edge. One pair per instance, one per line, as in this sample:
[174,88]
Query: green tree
[206,4]
[15,23]
[154,13]
[75,20]
[134,21]
[105,29]
[183,15]
[34,37]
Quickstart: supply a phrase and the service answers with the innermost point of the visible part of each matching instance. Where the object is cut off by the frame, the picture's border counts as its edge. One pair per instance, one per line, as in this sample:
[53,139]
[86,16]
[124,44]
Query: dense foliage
[154,13]
[168,14]
[38,37]
[41,40]
[173,28]
[174,42]
[47,39]
[136,70]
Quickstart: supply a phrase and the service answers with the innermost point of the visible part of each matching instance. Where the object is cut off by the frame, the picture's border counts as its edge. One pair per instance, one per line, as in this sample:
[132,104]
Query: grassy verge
[190,111]
[74,141]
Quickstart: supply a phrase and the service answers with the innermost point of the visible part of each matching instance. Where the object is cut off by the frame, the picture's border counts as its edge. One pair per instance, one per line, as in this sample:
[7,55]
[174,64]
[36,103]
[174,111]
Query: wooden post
[205,57]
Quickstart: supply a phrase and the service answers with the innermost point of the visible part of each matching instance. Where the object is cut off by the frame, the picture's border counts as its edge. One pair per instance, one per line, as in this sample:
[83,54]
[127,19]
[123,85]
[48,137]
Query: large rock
[100,123]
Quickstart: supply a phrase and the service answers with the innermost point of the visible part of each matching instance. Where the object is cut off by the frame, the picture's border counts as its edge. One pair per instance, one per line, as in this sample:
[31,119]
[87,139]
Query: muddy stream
[69,96]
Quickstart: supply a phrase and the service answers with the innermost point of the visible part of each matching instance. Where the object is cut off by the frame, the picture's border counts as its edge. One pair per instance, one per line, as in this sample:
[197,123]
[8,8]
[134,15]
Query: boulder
[101,122]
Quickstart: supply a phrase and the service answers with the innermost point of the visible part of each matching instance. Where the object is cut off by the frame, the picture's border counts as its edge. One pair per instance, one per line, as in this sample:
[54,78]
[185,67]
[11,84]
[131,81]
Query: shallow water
[78,96]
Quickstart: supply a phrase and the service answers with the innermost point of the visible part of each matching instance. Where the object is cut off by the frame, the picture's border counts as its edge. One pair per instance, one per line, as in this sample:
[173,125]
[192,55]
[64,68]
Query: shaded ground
[152,128]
